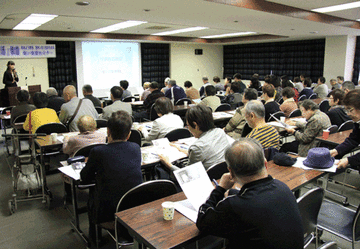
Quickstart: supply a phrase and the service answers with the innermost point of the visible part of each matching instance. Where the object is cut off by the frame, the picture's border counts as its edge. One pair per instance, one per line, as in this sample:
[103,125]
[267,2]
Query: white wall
[185,65]
[26,67]
[339,57]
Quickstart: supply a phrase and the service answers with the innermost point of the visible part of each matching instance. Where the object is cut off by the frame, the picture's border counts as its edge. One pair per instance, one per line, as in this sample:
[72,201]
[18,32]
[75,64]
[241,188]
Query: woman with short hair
[337,112]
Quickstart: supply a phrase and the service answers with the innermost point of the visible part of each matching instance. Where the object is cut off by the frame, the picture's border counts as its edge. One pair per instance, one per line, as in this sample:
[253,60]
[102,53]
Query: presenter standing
[10,75]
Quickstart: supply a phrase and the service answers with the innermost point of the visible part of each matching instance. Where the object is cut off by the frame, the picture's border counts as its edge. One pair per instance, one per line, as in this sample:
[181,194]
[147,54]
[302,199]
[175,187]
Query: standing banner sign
[27,51]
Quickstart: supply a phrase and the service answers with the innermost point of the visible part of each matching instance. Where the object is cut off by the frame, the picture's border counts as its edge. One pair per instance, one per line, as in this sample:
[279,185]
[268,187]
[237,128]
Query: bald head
[86,123]
[69,93]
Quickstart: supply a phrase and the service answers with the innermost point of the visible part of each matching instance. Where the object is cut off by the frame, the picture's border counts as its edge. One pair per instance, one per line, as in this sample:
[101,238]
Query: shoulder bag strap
[75,113]
[30,126]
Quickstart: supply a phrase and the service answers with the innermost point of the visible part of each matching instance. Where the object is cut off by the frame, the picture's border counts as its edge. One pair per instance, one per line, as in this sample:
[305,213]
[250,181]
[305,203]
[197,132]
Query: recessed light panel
[122,25]
[339,7]
[180,31]
[228,35]
[33,21]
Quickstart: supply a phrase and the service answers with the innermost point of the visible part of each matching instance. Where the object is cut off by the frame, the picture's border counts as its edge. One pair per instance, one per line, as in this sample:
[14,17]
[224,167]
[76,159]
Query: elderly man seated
[117,105]
[211,100]
[262,214]
[88,135]
[266,134]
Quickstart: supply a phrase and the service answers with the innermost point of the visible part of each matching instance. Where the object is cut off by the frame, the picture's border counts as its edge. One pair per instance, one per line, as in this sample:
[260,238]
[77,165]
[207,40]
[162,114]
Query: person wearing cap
[317,121]
[352,107]
[262,214]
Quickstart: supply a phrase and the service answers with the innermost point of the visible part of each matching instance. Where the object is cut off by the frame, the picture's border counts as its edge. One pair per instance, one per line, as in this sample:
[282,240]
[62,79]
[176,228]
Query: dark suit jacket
[8,79]
[338,116]
[55,103]
[96,101]
[179,93]
[116,168]
[22,108]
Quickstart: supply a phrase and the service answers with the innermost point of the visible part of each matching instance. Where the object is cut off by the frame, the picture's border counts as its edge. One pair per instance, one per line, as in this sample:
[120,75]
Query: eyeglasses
[349,110]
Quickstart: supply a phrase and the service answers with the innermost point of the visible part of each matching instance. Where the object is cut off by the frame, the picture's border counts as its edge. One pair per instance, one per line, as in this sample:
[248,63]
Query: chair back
[309,206]
[223,107]
[85,151]
[324,105]
[216,171]
[9,108]
[295,113]
[146,192]
[302,97]
[135,137]
[153,113]
[281,100]
[329,245]
[181,101]
[221,97]
[52,128]
[177,134]
[332,129]
[347,125]
[99,109]
[20,119]
[313,96]
[128,99]
[246,130]
[100,123]
[277,115]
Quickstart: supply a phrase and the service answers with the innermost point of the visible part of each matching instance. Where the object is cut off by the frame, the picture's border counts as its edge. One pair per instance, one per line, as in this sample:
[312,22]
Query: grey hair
[51,92]
[167,80]
[256,107]
[348,85]
[245,157]
[172,82]
[205,78]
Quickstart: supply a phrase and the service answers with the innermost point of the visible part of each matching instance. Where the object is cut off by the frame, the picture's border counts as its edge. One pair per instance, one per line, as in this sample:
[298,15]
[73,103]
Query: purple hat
[319,158]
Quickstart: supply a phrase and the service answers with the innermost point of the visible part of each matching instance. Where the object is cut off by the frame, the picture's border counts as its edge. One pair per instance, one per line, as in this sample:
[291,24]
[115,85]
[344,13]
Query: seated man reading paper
[262,214]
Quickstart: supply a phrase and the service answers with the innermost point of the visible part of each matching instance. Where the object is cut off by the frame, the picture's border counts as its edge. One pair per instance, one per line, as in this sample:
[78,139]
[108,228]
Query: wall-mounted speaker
[198,51]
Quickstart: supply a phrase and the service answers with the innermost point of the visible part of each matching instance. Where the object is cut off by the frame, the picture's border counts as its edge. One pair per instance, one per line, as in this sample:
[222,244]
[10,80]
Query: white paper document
[300,164]
[302,120]
[277,124]
[69,171]
[196,186]
[218,115]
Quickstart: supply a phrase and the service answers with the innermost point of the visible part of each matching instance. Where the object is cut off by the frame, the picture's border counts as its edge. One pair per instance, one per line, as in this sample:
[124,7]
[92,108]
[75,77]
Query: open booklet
[197,187]
[161,146]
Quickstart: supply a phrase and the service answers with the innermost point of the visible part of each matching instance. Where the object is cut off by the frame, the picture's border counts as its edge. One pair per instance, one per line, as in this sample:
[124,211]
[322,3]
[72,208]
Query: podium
[8,95]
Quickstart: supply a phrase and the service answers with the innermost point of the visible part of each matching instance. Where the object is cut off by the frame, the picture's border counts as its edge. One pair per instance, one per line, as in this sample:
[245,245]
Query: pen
[214,181]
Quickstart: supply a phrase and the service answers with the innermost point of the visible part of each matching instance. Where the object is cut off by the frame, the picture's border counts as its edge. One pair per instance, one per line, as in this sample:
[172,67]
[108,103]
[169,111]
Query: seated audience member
[302,77]
[262,214]
[287,83]
[23,107]
[227,85]
[307,91]
[289,103]
[275,81]
[72,102]
[340,80]
[321,89]
[205,84]
[237,78]
[166,122]
[234,97]
[218,85]
[266,134]
[55,102]
[88,135]
[115,167]
[41,115]
[191,93]
[271,106]
[175,92]
[167,87]
[117,105]
[317,121]
[211,144]
[146,91]
[337,112]
[255,84]
[334,84]
[124,84]
[347,86]
[237,122]
[298,84]
[352,107]
[211,100]
[88,94]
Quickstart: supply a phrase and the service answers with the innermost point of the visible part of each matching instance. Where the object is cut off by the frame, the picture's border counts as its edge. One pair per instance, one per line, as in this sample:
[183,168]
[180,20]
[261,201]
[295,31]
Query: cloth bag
[28,178]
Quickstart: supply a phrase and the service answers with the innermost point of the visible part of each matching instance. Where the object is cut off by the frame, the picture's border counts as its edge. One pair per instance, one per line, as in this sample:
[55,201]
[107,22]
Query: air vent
[157,27]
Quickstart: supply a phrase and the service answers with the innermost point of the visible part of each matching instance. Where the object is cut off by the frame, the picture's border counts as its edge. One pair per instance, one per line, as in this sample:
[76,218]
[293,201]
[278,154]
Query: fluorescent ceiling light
[33,21]
[180,31]
[344,6]
[122,25]
[228,35]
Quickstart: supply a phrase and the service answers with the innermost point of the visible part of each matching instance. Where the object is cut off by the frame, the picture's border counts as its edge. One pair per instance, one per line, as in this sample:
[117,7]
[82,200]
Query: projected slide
[104,64]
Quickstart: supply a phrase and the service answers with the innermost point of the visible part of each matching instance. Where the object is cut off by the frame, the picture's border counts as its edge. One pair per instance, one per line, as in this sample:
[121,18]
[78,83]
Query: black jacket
[270,108]
[55,103]
[8,79]
[263,214]
[338,116]
[350,143]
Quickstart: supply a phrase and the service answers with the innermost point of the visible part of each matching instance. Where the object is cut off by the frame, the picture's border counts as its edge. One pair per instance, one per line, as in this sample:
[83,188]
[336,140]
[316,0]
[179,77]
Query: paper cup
[135,125]
[53,137]
[185,103]
[8,113]
[282,119]
[325,134]
[168,210]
